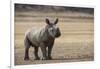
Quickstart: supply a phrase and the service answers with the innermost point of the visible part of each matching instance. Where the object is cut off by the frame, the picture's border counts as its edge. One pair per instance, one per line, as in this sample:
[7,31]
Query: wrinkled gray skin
[43,38]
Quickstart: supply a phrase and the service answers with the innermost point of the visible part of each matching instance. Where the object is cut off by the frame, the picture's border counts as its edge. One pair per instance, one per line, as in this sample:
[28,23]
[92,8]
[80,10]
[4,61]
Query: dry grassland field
[75,44]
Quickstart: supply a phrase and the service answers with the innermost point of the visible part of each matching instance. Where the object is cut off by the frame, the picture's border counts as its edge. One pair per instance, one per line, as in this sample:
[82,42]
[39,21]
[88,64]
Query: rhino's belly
[35,42]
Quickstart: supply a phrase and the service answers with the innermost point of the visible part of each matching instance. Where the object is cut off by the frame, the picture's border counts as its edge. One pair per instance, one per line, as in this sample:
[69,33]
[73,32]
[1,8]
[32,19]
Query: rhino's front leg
[49,52]
[36,53]
[44,51]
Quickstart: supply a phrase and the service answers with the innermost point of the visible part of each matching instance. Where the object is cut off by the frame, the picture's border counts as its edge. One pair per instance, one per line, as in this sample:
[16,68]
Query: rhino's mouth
[58,35]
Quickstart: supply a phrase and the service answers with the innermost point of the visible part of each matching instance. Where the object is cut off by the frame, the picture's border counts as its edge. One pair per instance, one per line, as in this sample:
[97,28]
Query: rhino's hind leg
[26,54]
[36,53]
[27,46]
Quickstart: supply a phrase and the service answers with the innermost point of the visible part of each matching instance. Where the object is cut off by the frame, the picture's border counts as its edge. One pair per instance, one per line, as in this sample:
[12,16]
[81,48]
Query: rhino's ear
[47,21]
[56,21]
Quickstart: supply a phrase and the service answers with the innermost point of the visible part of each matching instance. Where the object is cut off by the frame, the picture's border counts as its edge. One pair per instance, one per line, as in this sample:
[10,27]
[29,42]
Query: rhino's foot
[49,58]
[44,58]
[26,58]
[37,58]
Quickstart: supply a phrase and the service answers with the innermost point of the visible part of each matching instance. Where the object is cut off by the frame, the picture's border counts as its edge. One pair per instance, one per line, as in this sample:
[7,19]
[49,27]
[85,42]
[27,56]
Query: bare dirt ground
[75,44]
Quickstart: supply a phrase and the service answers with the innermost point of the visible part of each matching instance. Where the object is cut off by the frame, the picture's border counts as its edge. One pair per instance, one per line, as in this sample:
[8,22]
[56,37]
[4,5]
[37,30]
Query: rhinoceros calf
[43,38]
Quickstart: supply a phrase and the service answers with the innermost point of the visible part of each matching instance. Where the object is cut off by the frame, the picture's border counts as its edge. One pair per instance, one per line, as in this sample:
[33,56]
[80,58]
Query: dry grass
[75,44]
